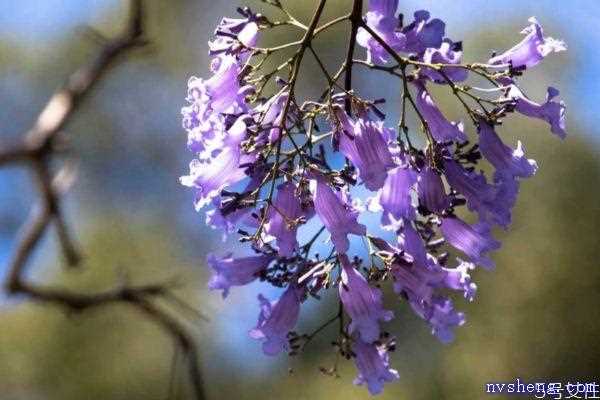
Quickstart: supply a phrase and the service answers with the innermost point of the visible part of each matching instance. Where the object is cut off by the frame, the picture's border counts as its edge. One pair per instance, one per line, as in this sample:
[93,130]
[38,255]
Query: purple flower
[417,281]
[363,303]
[459,279]
[422,33]
[222,92]
[373,366]
[231,271]
[475,241]
[411,242]
[441,316]
[550,111]
[430,189]
[531,50]
[382,18]
[270,114]
[276,319]
[394,198]
[282,219]
[503,158]
[335,212]
[447,53]
[227,167]
[363,143]
[470,184]
[234,35]
[441,129]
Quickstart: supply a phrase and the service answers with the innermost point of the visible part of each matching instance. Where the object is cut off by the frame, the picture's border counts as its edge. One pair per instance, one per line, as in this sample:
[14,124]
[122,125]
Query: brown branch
[355,21]
[35,152]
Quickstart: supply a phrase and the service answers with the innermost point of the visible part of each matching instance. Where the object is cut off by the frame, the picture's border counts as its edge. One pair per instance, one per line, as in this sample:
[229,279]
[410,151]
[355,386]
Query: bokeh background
[536,317]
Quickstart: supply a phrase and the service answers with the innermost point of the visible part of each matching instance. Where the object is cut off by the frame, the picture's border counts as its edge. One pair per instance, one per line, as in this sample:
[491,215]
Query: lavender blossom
[394,198]
[276,319]
[448,53]
[336,214]
[283,219]
[503,158]
[263,163]
[364,144]
[229,271]
[531,50]
[550,111]
[382,18]
[363,303]
[430,189]
[372,362]
[475,241]
[226,168]
[423,33]
[441,129]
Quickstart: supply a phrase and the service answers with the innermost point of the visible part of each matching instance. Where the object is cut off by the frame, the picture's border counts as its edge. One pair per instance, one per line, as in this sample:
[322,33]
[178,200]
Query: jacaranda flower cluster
[264,165]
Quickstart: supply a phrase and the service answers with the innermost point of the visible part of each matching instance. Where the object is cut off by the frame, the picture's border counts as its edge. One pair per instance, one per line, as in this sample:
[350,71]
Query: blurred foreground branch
[35,152]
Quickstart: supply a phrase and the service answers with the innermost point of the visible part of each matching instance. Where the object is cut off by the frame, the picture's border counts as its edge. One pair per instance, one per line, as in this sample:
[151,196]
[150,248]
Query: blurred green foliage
[535,317]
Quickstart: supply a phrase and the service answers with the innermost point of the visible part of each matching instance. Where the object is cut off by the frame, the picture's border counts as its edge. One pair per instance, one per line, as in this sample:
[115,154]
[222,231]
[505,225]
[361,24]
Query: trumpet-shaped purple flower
[336,213]
[423,33]
[234,35]
[459,279]
[226,168]
[411,242]
[394,198]
[277,319]
[430,189]
[531,50]
[270,114]
[447,53]
[382,18]
[222,92]
[363,303]
[551,111]
[503,158]
[282,220]
[229,271]
[372,362]
[470,184]
[364,144]
[441,129]
[441,316]
[474,241]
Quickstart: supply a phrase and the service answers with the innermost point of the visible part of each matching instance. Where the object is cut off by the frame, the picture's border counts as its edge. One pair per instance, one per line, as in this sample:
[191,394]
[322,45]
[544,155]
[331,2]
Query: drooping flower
[474,241]
[222,92]
[372,362]
[277,319]
[503,158]
[551,111]
[382,18]
[226,168]
[394,198]
[234,35]
[229,271]
[459,279]
[282,219]
[270,115]
[363,142]
[363,303]
[531,50]
[441,316]
[423,33]
[336,213]
[472,185]
[441,129]
[448,53]
[430,189]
